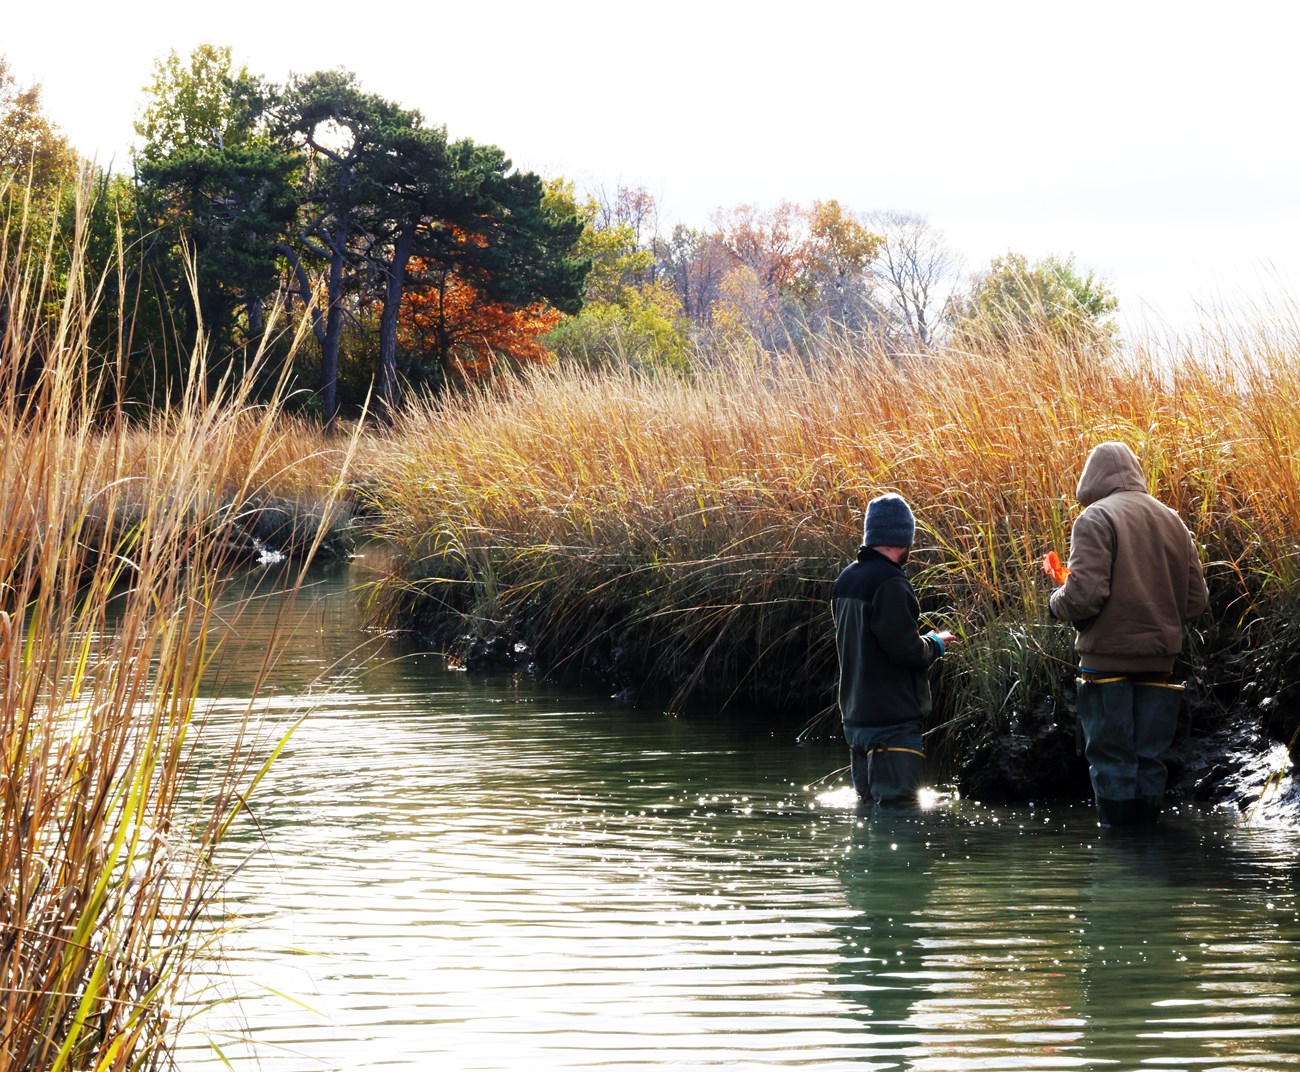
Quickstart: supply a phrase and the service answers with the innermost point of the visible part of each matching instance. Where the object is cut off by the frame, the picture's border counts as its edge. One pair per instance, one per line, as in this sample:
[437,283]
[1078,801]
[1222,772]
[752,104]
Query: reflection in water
[1014,940]
[463,875]
[888,873]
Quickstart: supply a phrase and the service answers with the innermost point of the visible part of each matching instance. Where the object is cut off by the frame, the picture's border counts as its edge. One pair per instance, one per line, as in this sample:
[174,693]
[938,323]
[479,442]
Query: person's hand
[944,638]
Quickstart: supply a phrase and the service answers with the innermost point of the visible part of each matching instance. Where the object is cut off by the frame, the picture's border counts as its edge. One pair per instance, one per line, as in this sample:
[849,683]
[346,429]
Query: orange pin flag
[1054,568]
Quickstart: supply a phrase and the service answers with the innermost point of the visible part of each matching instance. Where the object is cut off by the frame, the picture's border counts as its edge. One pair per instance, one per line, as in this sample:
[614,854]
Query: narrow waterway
[455,874]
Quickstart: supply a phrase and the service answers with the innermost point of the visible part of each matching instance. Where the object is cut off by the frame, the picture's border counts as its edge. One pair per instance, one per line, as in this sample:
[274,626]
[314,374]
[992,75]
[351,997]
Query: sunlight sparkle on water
[845,796]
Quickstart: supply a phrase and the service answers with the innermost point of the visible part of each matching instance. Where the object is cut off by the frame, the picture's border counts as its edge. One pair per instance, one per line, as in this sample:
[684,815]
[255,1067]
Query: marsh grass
[685,533]
[117,538]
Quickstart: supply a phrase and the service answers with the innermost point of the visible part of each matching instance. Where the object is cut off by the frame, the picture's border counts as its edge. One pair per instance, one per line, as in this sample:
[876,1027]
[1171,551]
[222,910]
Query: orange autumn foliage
[448,318]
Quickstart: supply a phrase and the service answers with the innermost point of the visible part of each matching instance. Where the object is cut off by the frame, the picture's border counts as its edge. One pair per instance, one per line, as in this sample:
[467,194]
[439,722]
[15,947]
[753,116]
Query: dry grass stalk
[113,548]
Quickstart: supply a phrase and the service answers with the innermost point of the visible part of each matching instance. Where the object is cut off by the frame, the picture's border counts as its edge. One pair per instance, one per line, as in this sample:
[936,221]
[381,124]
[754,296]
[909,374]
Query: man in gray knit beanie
[884,687]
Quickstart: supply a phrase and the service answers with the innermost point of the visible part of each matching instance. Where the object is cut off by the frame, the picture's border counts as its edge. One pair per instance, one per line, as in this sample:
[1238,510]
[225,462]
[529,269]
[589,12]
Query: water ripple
[473,877]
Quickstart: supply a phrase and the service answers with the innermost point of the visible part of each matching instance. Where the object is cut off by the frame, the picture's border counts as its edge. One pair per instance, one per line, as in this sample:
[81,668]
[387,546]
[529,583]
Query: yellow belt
[1144,684]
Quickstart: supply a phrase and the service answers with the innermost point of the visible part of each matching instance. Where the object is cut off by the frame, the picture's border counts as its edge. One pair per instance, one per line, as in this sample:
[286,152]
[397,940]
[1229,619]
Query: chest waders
[887,762]
[1127,726]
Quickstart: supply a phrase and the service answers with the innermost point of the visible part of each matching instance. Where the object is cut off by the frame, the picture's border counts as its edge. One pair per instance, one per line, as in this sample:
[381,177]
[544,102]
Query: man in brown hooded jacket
[1134,578]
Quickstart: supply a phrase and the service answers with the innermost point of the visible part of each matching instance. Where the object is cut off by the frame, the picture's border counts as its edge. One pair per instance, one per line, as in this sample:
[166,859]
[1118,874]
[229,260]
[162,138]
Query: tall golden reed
[687,531]
[114,544]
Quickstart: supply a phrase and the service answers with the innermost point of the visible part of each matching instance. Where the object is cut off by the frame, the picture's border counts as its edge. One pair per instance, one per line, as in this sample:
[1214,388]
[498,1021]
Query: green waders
[887,762]
[1127,726]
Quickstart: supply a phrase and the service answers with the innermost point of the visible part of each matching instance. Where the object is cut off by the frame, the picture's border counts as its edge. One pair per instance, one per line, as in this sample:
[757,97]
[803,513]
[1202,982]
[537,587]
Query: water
[464,875]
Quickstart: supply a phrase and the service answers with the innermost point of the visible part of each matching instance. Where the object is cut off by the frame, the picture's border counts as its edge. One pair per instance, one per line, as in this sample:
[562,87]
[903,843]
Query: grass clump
[683,534]
[117,537]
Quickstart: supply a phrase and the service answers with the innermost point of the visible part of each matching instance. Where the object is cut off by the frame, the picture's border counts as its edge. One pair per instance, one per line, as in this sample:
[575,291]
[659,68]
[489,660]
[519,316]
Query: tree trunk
[329,355]
[256,318]
[395,284]
[304,290]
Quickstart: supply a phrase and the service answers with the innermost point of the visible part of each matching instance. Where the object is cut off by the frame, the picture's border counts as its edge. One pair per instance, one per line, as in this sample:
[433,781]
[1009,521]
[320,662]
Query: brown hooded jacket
[1135,575]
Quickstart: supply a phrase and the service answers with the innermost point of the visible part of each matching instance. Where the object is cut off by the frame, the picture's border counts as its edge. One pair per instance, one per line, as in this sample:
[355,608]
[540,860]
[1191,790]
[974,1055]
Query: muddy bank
[280,528]
[1228,755]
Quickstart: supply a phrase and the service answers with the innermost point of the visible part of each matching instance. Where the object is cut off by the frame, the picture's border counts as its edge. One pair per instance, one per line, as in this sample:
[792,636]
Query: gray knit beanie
[889,523]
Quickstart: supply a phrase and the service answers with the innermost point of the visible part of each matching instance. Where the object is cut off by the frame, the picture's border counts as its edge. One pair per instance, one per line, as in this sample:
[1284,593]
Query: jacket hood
[1111,467]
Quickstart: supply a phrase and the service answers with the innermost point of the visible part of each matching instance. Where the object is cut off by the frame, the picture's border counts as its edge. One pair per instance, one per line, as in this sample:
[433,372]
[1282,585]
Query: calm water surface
[454,874]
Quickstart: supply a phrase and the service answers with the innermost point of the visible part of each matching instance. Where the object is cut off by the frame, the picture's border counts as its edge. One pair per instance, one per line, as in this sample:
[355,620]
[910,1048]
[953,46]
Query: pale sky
[1155,141]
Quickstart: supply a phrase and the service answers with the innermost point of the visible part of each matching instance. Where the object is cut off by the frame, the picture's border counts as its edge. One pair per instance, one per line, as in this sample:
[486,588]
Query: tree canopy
[202,101]
[1018,302]
[322,192]
[32,149]
[383,188]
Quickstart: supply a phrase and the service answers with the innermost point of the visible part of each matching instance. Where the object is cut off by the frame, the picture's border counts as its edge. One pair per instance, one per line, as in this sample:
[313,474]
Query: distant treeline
[420,260]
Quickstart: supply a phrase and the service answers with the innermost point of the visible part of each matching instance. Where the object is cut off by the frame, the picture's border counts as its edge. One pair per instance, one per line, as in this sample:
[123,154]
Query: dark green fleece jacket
[883,657]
